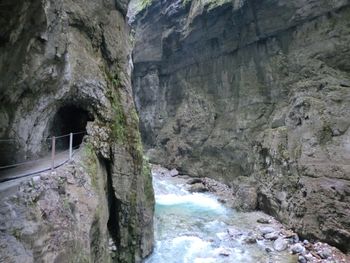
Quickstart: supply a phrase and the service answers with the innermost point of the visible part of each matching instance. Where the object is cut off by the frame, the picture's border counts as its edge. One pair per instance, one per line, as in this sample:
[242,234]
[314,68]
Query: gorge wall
[65,66]
[256,94]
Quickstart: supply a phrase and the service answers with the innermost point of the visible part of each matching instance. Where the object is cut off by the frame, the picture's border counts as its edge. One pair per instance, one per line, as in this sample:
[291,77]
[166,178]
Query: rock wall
[256,94]
[75,55]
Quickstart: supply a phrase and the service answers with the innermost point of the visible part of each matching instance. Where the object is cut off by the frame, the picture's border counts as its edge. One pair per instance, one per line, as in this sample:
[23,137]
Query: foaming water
[194,200]
[192,228]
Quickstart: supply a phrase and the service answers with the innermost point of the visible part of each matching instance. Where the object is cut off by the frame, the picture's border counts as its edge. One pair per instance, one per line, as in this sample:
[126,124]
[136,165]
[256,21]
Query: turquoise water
[192,228]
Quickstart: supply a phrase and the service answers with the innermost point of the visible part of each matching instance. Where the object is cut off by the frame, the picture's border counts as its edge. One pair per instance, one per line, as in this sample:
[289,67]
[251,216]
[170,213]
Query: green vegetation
[146,173]
[119,124]
[90,163]
[325,135]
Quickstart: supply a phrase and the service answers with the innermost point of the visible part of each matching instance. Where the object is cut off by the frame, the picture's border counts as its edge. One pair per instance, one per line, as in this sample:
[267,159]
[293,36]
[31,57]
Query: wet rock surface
[253,93]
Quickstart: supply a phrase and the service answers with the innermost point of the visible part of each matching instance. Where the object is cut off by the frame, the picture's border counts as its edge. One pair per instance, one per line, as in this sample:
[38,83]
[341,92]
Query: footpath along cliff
[65,67]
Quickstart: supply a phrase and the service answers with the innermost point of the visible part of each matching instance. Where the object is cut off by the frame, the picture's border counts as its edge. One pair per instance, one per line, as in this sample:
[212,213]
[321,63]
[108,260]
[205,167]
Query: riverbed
[197,228]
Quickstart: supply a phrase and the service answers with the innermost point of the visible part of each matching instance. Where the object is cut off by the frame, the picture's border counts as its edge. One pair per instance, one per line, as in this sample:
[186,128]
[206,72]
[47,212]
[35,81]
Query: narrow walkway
[36,167]
[11,179]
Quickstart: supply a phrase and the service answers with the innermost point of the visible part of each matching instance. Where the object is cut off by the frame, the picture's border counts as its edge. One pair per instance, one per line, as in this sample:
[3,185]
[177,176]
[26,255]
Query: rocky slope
[64,66]
[256,94]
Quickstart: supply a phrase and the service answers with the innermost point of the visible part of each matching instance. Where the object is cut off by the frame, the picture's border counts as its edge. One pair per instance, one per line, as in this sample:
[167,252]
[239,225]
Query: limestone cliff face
[63,62]
[257,94]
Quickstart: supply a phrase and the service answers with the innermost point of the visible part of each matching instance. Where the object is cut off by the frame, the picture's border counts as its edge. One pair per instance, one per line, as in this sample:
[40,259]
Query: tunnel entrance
[69,119]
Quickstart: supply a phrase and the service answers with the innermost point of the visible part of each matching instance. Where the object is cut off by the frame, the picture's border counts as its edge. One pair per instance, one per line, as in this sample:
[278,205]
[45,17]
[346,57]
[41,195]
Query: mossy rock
[89,161]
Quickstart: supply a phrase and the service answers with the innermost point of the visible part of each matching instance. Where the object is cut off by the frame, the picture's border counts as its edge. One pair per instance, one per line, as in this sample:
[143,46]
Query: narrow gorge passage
[196,227]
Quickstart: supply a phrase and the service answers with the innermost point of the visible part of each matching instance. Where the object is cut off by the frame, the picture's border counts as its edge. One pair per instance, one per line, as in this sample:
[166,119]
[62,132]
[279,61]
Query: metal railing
[54,152]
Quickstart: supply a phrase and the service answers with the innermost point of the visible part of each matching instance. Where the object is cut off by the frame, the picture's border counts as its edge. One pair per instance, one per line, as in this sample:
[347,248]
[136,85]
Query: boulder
[173,172]
[280,244]
[298,249]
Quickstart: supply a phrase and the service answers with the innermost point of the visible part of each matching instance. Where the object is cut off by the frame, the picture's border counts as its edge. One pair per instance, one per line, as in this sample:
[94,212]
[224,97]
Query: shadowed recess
[70,119]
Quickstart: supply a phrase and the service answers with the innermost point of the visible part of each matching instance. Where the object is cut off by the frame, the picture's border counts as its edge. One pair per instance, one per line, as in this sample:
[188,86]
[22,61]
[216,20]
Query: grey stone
[297,248]
[306,242]
[174,172]
[280,244]
[302,259]
[266,230]
[325,253]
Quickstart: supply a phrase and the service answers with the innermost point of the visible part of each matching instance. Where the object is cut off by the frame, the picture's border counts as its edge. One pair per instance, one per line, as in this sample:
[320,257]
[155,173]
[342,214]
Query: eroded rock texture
[62,63]
[255,93]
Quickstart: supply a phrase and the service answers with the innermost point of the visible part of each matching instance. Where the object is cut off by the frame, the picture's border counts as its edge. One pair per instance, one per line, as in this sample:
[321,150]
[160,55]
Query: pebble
[298,249]
[306,242]
[280,244]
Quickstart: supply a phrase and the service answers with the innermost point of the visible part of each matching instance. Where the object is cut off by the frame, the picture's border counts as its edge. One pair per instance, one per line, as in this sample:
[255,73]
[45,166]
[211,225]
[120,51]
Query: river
[194,228]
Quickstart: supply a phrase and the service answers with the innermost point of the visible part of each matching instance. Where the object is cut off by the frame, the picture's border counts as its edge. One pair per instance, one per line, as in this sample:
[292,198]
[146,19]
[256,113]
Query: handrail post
[53,153]
[70,146]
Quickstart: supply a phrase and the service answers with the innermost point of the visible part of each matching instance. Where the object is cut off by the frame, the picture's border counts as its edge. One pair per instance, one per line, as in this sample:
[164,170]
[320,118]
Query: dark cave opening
[69,119]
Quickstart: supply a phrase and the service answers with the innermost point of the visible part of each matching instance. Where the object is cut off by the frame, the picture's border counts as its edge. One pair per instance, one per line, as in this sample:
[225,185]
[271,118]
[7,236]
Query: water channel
[193,228]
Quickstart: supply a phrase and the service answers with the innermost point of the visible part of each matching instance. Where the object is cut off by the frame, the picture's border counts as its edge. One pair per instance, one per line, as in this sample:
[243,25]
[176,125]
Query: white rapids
[192,228]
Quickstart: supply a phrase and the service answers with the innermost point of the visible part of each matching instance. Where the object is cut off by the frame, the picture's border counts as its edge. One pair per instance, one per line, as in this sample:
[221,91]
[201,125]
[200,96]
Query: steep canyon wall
[256,94]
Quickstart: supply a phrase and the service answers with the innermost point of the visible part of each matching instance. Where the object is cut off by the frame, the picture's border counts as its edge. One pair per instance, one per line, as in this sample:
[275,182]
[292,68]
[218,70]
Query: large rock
[254,93]
[280,244]
[65,67]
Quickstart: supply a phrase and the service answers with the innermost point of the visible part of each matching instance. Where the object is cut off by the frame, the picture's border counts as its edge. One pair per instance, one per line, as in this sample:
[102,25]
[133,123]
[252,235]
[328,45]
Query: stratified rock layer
[255,93]
[69,60]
